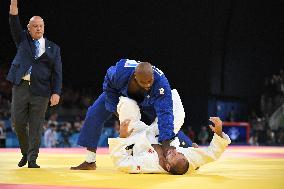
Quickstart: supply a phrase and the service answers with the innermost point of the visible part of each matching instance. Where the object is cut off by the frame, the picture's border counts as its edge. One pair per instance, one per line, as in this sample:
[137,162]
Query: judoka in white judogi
[143,158]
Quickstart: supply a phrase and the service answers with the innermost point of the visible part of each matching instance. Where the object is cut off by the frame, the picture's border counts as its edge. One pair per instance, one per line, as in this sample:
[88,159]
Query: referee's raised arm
[15,25]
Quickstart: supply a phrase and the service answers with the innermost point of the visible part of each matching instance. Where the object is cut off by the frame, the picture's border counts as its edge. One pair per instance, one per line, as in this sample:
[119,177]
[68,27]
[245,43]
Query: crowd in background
[273,95]
[271,99]
[62,128]
[5,96]
[65,134]
[261,132]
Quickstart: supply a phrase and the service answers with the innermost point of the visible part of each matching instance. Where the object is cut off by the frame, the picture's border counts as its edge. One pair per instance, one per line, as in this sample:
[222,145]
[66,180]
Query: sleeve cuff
[225,138]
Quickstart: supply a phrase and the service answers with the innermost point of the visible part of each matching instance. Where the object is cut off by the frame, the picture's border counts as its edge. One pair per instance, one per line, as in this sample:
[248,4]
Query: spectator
[253,141]
[50,136]
[280,139]
[77,126]
[231,115]
[65,132]
[53,119]
[4,107]
[270,137]
[190,133]
[2,135]
[203,135]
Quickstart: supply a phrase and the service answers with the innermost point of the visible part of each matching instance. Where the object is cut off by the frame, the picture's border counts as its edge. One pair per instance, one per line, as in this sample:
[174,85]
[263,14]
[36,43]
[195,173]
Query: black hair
[180,168]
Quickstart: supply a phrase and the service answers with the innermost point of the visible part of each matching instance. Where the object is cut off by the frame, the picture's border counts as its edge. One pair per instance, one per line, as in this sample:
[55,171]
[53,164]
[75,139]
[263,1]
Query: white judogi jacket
[145,159]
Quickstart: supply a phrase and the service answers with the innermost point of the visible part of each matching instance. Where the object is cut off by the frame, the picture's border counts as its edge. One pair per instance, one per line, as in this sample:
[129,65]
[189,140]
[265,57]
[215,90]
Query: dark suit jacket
[46,76]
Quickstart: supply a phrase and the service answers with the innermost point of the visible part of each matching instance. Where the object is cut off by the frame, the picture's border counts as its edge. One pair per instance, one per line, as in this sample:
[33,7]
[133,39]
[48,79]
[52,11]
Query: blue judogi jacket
[157,101]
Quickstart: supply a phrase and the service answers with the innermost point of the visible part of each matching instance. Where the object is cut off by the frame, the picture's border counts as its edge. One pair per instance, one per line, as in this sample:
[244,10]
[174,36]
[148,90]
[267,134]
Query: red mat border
[34,186]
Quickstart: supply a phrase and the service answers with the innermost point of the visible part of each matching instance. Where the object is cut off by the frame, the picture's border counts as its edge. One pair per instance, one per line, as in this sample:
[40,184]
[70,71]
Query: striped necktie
[37,44]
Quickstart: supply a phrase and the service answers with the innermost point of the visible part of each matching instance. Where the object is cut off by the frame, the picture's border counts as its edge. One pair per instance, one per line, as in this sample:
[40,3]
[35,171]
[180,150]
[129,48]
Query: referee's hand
[54,99]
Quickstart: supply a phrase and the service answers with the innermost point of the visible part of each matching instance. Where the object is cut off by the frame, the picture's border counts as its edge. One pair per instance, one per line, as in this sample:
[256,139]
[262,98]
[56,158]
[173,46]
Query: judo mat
[240,167]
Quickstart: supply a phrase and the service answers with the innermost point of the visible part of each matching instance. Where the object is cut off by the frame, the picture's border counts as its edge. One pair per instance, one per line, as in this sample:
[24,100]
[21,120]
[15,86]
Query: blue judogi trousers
[94,121]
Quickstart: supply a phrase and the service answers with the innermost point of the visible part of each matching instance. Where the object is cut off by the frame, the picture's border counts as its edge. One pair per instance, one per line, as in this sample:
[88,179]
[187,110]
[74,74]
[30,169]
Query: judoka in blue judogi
[152,92]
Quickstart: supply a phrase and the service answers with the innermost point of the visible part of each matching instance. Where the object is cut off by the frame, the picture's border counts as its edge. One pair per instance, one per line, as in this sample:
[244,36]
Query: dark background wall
[206,48]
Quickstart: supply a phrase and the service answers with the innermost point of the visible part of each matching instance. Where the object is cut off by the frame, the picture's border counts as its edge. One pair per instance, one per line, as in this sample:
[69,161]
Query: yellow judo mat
[240,167]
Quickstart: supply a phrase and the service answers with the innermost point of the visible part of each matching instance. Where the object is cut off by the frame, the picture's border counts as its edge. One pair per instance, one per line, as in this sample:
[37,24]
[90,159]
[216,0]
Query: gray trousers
[28,113]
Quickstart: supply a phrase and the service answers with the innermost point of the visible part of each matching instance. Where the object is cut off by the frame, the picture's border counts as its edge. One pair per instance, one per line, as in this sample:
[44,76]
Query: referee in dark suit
[36,74]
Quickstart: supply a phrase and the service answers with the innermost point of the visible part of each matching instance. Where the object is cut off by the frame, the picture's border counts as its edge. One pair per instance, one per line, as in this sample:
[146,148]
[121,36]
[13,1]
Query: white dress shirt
[41,46]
